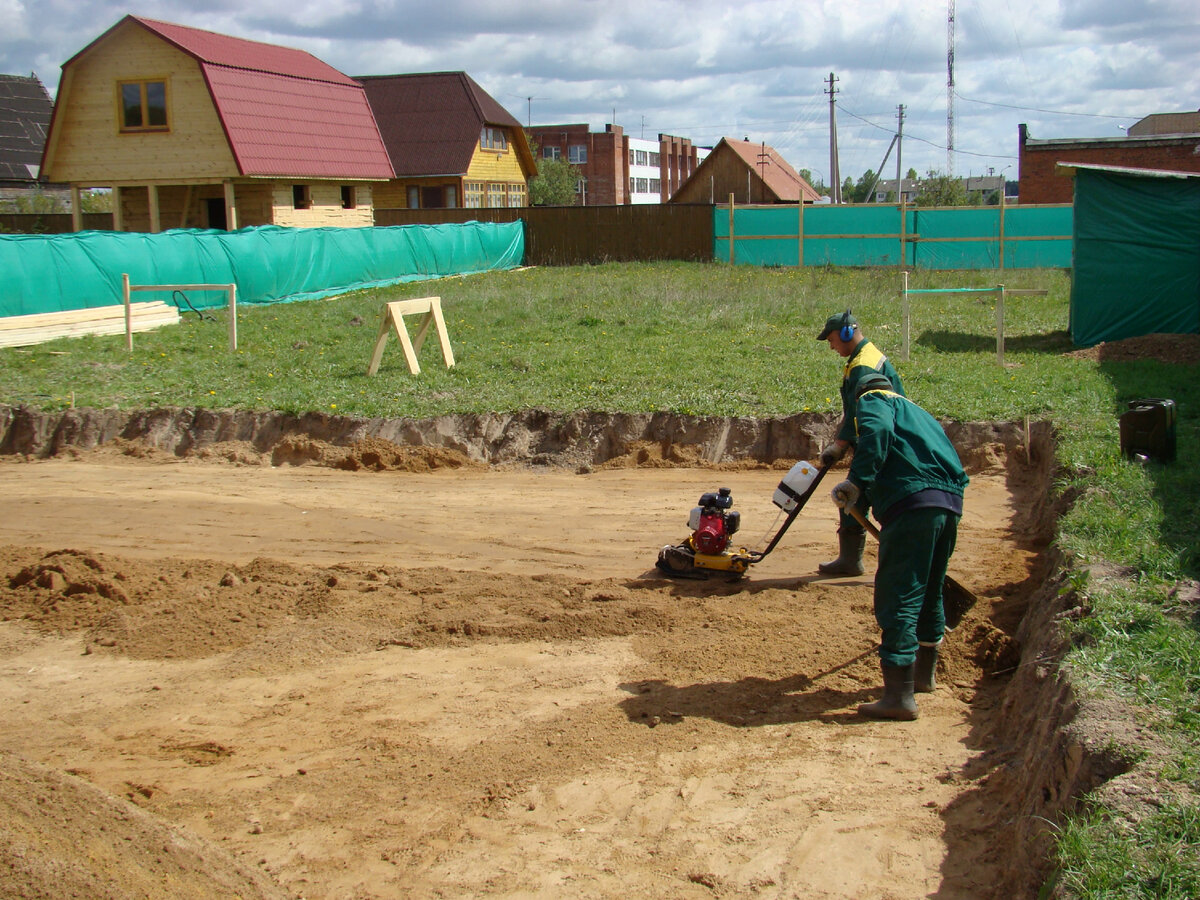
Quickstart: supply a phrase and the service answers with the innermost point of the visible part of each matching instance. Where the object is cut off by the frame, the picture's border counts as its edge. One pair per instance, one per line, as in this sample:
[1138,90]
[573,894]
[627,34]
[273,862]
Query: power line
[912,137]
[1053,112]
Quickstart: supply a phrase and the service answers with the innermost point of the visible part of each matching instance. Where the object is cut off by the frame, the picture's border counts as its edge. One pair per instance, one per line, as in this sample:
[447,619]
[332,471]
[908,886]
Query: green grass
[708,339]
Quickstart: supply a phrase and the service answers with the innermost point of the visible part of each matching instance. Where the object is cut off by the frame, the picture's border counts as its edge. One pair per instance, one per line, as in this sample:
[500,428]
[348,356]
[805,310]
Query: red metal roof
[223,50]
[284,111]
[431,121]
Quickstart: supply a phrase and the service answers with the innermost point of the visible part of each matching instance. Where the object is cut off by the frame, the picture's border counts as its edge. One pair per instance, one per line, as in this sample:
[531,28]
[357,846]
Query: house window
[656,159]
[495,196]
[414,197]
[551,153]
[631,157]
[656,185]
[301,197]
[642,158]
[577,154]
[643,186]
[451,197]
[516,195]
[349,197]
[493,139]
[472,194]
[143,105]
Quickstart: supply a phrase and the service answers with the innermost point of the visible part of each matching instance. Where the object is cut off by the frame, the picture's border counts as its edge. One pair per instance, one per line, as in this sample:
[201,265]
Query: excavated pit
[350,657]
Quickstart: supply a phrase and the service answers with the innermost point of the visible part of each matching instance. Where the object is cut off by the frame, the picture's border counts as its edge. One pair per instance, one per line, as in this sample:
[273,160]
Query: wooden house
[450,144]
[195,129]
[752,173]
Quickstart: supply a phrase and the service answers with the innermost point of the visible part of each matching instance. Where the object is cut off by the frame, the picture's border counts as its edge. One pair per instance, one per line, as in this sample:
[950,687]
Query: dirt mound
[62,837]
[1178,349]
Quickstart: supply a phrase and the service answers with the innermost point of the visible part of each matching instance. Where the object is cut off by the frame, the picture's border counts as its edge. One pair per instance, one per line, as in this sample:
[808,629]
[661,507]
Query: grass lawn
[708,339]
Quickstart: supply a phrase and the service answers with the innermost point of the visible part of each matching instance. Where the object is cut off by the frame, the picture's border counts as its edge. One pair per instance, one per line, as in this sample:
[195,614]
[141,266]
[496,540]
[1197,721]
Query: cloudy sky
[754,69]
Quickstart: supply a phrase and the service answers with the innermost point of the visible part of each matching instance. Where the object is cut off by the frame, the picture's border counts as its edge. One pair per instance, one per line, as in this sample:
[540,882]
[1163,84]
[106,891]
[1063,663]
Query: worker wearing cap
[862,359]
[910,475]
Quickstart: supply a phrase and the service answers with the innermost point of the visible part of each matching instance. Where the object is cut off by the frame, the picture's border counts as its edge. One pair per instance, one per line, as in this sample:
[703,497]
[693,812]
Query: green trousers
[914,551]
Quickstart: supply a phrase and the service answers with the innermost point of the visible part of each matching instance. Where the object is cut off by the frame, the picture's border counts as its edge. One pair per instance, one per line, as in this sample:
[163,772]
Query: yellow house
[192,129]
[450,143]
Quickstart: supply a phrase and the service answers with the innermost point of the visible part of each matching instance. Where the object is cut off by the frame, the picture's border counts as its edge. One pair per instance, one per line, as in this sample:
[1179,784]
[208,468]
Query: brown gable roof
[780,178]
[285,113]
[431,121]
[24,118]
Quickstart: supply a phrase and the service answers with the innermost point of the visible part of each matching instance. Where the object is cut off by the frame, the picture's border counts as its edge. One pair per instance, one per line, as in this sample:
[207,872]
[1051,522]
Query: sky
[755,69]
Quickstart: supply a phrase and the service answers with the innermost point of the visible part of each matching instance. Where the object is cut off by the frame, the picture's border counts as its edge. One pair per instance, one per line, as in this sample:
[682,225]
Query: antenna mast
[950,88]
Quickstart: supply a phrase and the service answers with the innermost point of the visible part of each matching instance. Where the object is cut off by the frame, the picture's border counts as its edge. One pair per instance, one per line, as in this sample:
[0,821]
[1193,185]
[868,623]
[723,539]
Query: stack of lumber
[20,331]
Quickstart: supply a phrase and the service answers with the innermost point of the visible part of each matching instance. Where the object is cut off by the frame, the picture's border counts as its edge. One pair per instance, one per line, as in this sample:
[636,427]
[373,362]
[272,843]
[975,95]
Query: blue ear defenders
[847,331]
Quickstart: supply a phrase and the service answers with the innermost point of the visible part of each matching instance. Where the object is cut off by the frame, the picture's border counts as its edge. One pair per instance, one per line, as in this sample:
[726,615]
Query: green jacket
[865,359]
[901,449]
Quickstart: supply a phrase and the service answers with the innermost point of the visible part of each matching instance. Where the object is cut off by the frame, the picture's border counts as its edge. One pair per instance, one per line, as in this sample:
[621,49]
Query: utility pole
[950,89]
[899,152]
[835,175]
[763,160]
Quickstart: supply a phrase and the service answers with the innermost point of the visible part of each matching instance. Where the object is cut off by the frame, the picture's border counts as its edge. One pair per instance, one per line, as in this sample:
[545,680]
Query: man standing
[862,359]
[909,473]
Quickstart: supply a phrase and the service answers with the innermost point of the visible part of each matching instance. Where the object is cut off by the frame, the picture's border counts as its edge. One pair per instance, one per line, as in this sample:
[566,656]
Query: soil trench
[450,679]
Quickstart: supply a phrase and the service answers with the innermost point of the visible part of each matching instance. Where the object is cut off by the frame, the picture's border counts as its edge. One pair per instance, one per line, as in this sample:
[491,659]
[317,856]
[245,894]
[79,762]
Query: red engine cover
[710,536]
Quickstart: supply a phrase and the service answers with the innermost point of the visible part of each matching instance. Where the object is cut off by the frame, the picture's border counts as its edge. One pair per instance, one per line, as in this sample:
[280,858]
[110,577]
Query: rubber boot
[850,554]
[925,669]
[898,701]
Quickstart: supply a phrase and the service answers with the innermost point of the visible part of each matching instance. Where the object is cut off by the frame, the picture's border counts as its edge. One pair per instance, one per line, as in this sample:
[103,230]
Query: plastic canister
[794,485]
[1147,430]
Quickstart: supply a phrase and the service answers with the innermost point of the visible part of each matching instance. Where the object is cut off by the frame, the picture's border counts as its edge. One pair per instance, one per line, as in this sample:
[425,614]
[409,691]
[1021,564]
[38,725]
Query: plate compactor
[709,549]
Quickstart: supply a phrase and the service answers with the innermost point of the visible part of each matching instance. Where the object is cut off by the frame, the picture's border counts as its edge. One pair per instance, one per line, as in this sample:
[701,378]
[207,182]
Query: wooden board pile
[21,331]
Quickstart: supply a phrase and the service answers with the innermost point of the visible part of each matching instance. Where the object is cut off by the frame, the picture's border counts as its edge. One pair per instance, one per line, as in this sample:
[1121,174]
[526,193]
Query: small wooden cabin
[451,144]
[192,129]
[752,173]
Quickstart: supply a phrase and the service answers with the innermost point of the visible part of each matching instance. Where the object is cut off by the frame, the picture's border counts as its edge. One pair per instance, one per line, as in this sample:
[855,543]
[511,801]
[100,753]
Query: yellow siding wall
[496,165]
[89,146]
[394,194]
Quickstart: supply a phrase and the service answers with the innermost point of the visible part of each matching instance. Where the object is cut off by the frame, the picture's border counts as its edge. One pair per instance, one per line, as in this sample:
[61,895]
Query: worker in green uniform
[911,476]
[862,359]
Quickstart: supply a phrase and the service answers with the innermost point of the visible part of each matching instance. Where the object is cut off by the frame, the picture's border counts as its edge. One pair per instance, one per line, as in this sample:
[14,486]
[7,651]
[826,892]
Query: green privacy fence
[968,237]
[268,264]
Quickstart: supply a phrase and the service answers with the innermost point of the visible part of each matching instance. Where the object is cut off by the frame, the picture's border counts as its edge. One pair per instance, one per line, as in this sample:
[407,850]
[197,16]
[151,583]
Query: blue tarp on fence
[52,273]
[969,237]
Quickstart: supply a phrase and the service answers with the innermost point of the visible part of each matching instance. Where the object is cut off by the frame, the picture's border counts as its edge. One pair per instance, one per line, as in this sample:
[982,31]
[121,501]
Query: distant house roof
[1166,123]
[25,109]
[285,113]
[780,178]
[431,121]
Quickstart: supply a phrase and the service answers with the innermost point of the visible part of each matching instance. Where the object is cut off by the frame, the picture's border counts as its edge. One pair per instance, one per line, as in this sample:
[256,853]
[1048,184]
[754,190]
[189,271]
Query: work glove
[845,494]
[831,454]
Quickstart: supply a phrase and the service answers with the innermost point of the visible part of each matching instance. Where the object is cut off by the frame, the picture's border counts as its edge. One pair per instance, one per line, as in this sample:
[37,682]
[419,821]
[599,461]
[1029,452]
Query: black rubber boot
[925,669]
[850,554]
[898,701]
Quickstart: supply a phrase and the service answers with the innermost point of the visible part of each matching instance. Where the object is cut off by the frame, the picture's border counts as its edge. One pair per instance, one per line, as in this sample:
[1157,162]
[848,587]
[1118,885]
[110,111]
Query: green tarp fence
[1137,256]
[945,238]
[269,264]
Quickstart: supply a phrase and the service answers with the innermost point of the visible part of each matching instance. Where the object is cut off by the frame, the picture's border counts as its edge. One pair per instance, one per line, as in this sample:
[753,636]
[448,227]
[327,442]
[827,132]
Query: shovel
[956,599]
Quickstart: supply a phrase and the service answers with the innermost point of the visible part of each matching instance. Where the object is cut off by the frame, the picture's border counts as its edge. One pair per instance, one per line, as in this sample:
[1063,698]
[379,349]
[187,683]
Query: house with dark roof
[25,109]
[450,143]
[195,129]
[752,173]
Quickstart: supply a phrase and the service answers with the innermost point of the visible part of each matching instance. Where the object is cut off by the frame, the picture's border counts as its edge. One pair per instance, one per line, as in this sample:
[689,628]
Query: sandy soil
[468,683]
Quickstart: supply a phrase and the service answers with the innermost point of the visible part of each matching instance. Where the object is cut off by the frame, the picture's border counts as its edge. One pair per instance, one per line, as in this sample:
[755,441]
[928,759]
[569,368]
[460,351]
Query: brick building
[617,169]
[1145,149]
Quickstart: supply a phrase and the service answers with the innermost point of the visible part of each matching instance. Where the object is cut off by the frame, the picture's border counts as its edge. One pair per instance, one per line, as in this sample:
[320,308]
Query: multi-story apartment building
[616,169]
